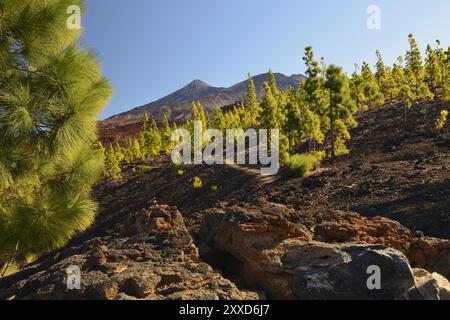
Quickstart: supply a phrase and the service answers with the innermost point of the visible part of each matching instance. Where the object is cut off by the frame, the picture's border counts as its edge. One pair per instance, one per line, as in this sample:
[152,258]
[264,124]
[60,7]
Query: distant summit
[192,91]
[177,105]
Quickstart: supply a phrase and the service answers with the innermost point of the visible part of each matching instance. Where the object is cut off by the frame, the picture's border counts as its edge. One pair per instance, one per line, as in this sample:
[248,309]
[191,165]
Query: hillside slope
[386,203]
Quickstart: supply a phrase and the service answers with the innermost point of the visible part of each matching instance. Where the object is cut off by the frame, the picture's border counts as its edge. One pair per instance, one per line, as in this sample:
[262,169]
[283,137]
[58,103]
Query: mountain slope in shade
[177,105]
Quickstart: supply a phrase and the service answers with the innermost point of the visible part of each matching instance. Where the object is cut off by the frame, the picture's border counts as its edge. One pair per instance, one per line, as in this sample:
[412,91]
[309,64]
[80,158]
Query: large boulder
[344,272]
[325,256]
[149,256]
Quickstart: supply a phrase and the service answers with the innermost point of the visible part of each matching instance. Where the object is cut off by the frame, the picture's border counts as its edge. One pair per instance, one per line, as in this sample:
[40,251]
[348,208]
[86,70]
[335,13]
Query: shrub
[442,120]
[302,164]
[197,184]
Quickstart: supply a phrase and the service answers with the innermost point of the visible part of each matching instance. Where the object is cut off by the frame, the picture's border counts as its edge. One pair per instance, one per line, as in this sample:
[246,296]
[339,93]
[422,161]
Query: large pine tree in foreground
[51,92]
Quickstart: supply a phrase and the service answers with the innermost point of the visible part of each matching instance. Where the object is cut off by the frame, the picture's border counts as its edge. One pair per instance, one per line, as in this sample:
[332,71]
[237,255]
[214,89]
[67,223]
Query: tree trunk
[370,120]
[333,151]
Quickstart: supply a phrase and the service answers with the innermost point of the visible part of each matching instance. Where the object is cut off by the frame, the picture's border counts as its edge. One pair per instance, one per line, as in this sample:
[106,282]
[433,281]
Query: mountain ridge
[177,105]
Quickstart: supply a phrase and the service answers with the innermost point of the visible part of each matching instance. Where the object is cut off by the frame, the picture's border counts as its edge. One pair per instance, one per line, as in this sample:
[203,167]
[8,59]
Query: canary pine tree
[414,71]
[339,110]
[269,117]
[273,84]
[218,120]
[112,162]
[166,135]
[310,123]
[356,88]
[51,92]
[251,99]
[433,71]
[399,80]
[384,78]
[443,86]
[372,96]
[314,84]
[292,119]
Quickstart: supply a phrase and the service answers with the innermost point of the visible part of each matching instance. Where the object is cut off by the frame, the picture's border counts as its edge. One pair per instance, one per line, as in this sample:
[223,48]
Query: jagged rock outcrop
[149,256]
[323,256]
[279,252]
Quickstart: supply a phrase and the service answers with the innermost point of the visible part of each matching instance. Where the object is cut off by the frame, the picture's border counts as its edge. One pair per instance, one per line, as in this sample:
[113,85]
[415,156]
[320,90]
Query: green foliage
[51,92]
[112,162]
[432,73]
[384,79]
[270,115]
[302,164]
[273,84]
[197,183]
[150,142]
[251,100]
[442,120]
[320,112]
[314,85]
[340,108]
[166,135]
[9,268]
[371,93]
[414,71]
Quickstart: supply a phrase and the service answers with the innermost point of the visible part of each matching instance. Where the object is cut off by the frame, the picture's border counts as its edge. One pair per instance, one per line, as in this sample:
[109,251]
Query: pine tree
[145,122]
[137,153]
[444,71]
[432,72]
[251,99]
[314,84]
[153,144]
[128,149]
[384,79]
[166,135]
[118,152]
[380,73]
[269,117]
[414,71]
[340,108]
[218,120]
[112,163]
[199,114]
[292,123]
[311,128]
[273,84]
[372,96]
[356,88]
[245,116]
[51,92]
[398,77]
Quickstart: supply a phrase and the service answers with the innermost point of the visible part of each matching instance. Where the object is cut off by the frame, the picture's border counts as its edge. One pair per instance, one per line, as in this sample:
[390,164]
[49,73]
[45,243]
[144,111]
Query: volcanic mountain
[177,106]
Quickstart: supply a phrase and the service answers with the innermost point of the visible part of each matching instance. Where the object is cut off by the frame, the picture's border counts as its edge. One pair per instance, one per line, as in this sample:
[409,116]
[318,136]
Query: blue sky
[150,48]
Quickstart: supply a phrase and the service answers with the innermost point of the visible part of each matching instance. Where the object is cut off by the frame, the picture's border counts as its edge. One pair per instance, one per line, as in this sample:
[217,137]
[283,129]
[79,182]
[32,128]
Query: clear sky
[150,48]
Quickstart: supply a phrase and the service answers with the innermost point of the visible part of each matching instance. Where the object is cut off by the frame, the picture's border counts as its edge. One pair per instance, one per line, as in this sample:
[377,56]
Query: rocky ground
[241,236]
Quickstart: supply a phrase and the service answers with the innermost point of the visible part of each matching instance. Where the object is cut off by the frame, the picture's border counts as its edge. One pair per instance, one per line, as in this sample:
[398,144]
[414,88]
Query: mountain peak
[197,86]
[198,82]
